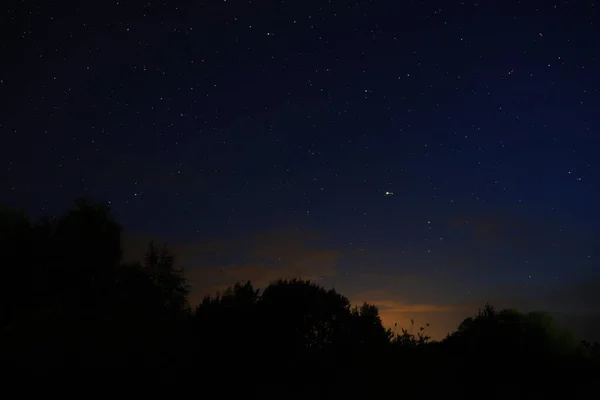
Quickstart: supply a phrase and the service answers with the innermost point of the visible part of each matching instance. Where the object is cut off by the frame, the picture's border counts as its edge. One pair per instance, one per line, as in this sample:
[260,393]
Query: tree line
[69,301]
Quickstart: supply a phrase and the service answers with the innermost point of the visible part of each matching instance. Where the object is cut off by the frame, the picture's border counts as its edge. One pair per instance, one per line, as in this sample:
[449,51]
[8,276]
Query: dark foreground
[72,312]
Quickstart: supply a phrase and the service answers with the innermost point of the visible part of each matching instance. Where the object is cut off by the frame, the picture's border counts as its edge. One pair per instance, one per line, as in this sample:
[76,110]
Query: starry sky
[426,156]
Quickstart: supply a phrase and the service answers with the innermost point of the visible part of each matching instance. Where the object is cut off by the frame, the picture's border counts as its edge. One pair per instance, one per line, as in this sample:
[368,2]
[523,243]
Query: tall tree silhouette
[86,255]
[159,264]
[228,324]
[62,273]
[367,328]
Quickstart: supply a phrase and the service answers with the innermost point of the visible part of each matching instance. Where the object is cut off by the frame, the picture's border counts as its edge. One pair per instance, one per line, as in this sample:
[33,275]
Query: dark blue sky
[259,138]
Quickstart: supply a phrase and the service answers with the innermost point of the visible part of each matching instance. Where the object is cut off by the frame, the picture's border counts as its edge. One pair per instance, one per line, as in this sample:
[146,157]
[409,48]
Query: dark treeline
[68,301]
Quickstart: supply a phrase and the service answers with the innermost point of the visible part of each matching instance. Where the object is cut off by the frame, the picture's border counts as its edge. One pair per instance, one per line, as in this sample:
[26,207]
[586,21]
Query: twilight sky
[424,156]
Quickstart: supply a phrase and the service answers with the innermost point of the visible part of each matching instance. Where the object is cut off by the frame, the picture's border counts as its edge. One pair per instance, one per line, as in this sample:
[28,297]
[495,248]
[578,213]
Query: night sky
[426,156]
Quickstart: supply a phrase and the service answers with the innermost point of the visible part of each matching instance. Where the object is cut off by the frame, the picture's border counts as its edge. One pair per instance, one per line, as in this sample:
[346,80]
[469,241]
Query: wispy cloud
[438,296]
[212,266]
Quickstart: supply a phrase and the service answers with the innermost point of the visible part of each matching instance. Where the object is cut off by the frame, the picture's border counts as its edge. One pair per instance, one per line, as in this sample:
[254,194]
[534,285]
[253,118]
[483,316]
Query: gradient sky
[259,138]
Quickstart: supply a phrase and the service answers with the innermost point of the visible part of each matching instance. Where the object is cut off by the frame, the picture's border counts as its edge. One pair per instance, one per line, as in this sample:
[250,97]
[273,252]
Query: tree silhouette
[68,300]
[367,328]
[85,254]
[237,301]
[408,339]
[159,264]
[78,289]
[509,334]
[230,318]
[304,314]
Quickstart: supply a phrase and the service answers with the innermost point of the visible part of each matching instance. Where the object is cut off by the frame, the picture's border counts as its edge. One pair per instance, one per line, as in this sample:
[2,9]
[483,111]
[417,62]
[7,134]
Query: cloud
[519,230]
[441,296]
[387,302]
[213,265]
[575,297]
[574,305]
[395,309]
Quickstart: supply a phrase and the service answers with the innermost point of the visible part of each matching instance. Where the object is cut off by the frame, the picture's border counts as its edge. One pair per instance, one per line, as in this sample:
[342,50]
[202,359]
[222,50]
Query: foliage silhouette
[509,334]
[409,340]
[68,300]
